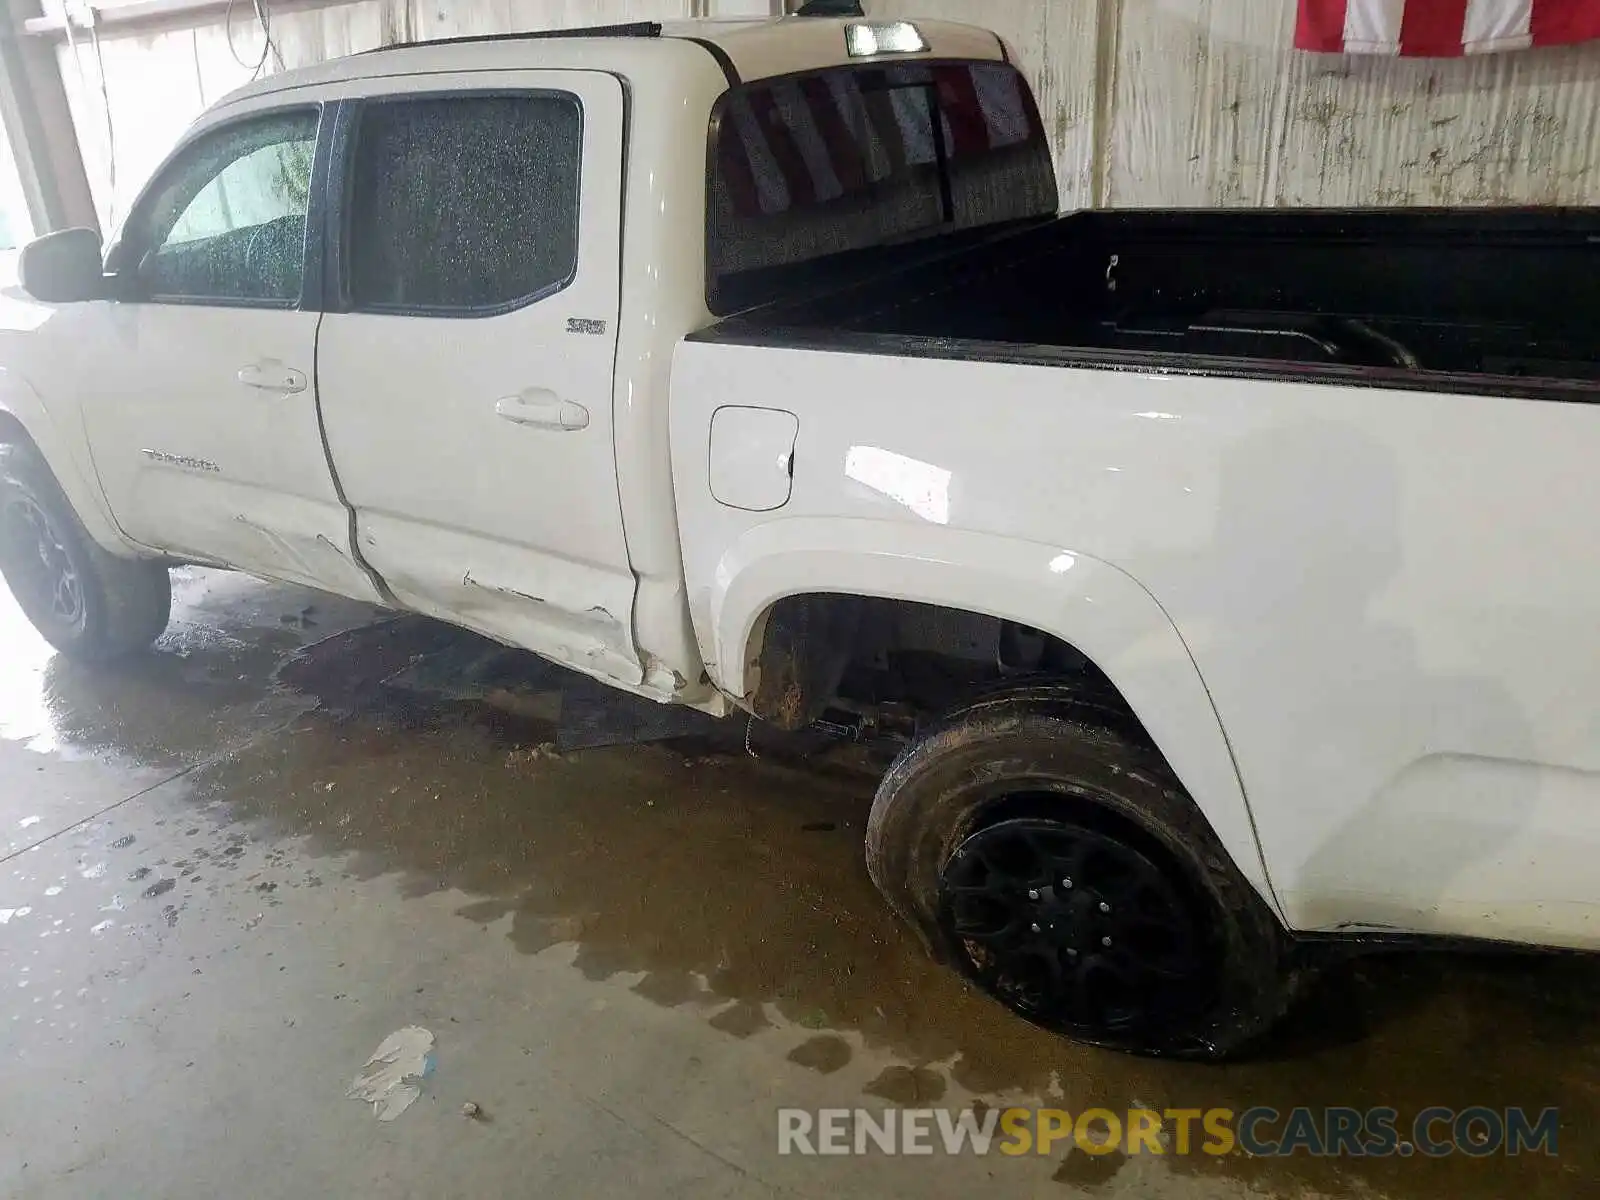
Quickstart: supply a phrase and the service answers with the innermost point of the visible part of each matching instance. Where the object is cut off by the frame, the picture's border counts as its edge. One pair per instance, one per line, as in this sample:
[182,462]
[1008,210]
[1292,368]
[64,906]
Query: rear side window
[810,170]
[463,204]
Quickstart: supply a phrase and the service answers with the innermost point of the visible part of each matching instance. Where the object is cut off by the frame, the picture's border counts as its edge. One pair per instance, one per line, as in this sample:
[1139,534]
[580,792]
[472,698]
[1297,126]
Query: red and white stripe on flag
[1443,28]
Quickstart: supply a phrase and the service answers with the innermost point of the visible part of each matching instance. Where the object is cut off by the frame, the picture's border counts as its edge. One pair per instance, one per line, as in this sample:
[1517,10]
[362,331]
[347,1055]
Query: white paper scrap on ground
[392,1076]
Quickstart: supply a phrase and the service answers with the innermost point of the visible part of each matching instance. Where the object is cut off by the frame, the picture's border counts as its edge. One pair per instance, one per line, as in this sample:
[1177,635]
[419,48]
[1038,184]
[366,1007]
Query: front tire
[1059,865]
[87,603]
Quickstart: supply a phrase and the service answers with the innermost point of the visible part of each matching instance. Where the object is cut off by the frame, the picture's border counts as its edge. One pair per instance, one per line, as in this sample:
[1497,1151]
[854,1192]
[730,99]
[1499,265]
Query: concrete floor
[234,866]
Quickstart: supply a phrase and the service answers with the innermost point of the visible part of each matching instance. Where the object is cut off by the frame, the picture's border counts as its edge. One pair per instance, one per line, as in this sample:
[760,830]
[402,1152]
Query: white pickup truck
[1231,578]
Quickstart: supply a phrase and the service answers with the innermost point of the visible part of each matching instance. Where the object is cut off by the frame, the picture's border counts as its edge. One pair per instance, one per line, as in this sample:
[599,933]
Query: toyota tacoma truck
[1230,579]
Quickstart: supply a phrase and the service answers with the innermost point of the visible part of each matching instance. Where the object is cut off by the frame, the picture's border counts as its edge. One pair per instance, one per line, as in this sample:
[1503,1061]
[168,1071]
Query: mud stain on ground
[824,1054]
[741,1018]
[1086,1170]
[910,1087]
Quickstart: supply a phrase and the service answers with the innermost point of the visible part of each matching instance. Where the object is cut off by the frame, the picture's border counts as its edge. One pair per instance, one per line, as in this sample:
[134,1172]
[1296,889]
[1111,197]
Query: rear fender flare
[1094,606]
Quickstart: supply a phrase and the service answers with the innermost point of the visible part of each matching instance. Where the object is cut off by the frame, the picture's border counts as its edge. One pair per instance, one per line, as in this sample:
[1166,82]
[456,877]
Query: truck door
[199,395]
[468,359]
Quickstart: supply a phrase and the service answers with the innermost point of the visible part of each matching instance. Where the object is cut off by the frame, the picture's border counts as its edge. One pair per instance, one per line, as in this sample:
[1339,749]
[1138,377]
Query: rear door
[467,366]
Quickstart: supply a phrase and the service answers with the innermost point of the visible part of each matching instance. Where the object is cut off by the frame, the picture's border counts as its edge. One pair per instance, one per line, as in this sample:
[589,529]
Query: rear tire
[1061,867]
[87,603]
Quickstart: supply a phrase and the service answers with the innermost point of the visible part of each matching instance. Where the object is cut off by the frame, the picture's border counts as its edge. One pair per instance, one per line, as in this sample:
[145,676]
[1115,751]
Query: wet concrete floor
[232,867]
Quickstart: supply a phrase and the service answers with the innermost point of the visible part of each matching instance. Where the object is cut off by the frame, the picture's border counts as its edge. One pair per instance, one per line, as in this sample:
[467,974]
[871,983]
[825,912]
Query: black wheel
[87,603]
[1060,867]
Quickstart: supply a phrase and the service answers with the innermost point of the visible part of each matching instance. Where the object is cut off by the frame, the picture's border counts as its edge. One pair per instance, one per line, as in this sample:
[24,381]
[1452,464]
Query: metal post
[38,124]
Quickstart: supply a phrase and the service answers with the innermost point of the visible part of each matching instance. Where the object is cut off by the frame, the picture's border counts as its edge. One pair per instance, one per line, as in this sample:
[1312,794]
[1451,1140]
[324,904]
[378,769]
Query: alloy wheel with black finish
[1074,928]
[1061,868]
[86,602]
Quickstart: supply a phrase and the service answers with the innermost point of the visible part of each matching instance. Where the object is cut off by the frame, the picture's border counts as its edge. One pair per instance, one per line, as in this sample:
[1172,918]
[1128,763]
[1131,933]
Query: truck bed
[1502,300]
[1378,574]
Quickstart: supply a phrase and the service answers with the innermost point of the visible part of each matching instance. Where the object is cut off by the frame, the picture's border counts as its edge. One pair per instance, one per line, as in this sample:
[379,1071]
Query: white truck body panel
[1379,593]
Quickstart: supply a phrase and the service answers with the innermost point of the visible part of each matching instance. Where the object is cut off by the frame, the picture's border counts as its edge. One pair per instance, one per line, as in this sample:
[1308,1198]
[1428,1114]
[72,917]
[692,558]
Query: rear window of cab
[814,169]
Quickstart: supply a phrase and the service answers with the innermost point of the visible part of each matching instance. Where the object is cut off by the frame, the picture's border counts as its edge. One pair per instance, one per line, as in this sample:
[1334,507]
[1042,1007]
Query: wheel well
[899,658]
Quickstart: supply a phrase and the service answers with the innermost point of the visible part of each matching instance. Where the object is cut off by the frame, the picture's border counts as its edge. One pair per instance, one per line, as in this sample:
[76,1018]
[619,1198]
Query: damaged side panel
[473,432]
[573,613]
[312,555]
[206,516]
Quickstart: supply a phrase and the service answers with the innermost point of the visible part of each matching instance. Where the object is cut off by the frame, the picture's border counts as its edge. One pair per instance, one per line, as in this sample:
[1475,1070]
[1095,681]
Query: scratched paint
[1146,102]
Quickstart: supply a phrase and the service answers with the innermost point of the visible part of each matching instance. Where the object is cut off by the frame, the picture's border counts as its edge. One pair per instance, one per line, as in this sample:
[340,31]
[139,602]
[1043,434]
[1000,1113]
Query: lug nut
[1033,893]
[1105,941]
[1104,907]
[1066,883]
[1034,927]
[1072,952]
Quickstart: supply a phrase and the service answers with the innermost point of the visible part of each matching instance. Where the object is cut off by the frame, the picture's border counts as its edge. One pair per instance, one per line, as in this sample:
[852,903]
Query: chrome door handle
[271,375]
[542,409]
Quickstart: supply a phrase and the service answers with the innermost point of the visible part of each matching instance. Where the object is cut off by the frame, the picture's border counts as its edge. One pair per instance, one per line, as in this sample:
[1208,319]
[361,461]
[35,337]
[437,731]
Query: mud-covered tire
[1035,764]
[115,606]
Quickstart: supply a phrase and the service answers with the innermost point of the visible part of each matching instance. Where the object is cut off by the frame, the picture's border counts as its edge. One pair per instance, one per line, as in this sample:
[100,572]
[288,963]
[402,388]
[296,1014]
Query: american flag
[1443,28]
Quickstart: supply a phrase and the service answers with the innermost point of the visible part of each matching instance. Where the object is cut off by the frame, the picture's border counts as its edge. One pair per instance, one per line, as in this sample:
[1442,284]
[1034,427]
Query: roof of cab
[745,50]
[762,49]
